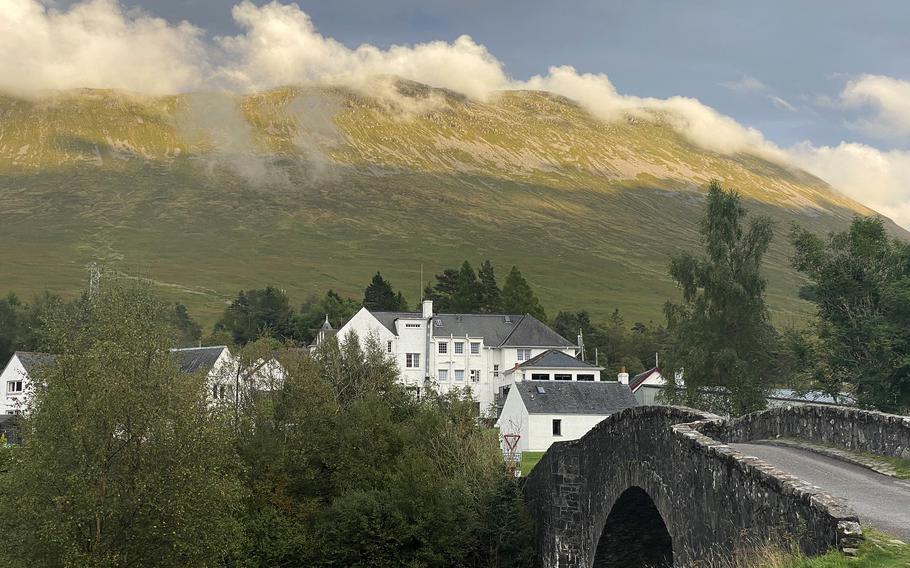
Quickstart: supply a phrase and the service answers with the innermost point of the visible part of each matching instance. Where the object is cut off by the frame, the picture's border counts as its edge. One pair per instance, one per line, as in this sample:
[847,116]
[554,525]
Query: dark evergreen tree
[315,309]
[379,296]
[258,313]
[519,298]
[188,331]
[441,293]
[722,335]
[490,294]
[466,298]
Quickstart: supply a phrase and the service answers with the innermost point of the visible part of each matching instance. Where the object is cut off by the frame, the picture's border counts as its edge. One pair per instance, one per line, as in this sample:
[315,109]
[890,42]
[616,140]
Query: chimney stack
[427,309]
[623,376]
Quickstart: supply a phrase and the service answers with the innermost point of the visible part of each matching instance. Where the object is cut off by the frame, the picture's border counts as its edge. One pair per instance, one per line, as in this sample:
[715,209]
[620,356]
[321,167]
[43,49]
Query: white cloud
[878,179]
[889,97]
[96,44]
[745,84]
[781,103]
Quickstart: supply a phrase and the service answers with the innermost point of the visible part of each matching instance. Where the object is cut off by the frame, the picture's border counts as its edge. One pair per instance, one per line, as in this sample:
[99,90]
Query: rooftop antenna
[596,357]
[420,291]
[581,343]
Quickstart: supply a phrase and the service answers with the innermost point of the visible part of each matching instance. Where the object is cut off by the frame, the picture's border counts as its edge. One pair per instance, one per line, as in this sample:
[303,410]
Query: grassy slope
[311,189]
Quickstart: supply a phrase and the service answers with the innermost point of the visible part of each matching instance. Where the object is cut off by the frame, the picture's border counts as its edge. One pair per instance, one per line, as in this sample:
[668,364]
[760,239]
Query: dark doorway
[635,535]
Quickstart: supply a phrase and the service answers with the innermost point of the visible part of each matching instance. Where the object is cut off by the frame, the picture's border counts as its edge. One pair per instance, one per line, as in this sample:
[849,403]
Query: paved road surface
[879,500]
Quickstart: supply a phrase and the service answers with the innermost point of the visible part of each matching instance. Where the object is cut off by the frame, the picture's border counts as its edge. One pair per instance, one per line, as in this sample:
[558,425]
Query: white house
[543,412]
[457,351]
[218,365]
[15,379]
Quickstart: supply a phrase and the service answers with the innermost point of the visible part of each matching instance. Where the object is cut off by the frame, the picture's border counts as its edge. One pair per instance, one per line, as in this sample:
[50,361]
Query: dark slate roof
[552,358]
[497,330]
[33,360]
[574,397]
[194,359]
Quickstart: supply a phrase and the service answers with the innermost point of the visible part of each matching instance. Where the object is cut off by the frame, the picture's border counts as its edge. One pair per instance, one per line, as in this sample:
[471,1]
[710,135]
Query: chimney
[623,376]
[427,309]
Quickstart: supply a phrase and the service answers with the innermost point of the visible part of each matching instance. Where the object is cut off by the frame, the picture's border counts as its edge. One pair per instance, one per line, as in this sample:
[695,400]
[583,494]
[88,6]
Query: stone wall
[863,430]
[710,498]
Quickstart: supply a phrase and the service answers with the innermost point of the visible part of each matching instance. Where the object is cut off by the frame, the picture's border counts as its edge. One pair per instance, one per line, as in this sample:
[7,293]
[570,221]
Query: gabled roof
[497,330]
[640,378]
[32,360]
[554,359]
[195,359]
[574,397]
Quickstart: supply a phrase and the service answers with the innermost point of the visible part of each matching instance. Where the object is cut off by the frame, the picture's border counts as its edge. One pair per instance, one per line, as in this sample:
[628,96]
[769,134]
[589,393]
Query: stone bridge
[657,486]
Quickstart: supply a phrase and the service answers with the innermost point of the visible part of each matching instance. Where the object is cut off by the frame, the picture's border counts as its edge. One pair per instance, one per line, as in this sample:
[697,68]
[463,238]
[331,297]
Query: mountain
[318,187]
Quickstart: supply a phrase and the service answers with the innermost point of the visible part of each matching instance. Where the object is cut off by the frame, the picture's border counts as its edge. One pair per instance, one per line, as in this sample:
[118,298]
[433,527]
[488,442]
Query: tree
[721,332]
[442,292]
[188,331]
[490,294]
[466,299]
[122,463]
[12,326]
[258,313]
[314,310]
[860,285]
[379,296]
[519,298]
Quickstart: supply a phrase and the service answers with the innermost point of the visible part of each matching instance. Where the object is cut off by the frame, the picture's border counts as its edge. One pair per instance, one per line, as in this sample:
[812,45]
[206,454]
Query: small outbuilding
[545,412]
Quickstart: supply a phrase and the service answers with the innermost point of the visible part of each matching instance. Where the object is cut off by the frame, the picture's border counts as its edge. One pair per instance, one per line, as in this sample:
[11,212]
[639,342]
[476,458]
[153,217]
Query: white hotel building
[482,352]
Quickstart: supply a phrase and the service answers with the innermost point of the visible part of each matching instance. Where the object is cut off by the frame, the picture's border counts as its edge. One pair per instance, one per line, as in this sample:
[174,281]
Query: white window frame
[11,389]
[495,370]
[475,375]
[557,425]
[461,373]
[459,347]
[475,348]
[443,348]
[388,346]
[412,360]
[523,354]
[442,375]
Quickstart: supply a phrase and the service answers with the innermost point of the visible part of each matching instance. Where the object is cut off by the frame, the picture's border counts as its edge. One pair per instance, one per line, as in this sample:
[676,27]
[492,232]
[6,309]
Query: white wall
[574,426]
[514,420]
[13,402]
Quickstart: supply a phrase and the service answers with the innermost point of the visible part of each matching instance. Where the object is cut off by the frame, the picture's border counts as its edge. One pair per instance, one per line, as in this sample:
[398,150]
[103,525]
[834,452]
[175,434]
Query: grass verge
[529,460]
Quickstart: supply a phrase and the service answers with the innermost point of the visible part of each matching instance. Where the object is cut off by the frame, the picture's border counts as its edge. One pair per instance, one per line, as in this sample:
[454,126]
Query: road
[880,501]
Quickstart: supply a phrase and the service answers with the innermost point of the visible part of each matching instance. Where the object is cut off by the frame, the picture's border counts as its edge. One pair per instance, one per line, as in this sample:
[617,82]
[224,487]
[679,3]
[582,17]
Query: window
[459,347]
[523,354]
[563,377]
[13,386]
[540,376]
[388,346]
[585,377]
[443,348]
[412,360]
[412,325]
[557,427]
[475,348]
[215,392]
[475,375]
[459,374]
[443,375]
[495,370]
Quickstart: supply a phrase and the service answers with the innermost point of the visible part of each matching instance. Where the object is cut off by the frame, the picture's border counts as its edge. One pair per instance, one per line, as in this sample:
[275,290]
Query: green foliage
[314,310]
[19,322]
[462,291]
[257,313]
[860,285]
[721,333]
[379,296]
[348,468]
[188,331]
[122,464]
[519,298]
[611,344]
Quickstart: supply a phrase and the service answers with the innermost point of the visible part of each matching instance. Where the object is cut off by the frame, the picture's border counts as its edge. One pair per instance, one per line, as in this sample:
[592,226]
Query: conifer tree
[379,296]
[466,299]
[490,294]
[519,298]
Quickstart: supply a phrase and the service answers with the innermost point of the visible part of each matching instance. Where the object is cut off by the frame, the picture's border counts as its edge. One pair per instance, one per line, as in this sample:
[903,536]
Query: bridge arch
[634,534]
[706,495]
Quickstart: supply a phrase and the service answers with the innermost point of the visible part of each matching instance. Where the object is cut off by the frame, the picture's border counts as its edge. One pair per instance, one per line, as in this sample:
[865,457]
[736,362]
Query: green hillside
[316,188]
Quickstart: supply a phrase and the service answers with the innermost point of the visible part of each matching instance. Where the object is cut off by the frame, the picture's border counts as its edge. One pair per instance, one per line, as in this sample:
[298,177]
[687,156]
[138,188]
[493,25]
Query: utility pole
[94,279]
